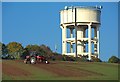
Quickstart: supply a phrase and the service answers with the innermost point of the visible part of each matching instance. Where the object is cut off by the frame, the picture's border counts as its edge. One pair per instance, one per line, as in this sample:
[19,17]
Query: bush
[58,57]
[52,58]
[68,58]
[81,59]
[11,57]
[114,59]
[96,59]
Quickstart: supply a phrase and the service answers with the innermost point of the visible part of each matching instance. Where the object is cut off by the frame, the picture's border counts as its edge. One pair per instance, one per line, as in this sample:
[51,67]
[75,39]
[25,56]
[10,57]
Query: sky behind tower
[39,23]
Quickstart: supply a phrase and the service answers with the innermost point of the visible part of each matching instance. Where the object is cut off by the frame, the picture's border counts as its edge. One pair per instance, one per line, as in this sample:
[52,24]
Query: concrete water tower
[80,30]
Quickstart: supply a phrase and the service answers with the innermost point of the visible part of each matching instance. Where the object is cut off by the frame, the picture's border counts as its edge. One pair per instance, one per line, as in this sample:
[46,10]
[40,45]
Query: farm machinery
[33,58]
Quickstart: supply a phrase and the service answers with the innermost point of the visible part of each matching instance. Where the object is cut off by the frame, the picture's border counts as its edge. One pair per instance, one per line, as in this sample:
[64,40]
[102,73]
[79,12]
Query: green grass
[37,74]
[108,71]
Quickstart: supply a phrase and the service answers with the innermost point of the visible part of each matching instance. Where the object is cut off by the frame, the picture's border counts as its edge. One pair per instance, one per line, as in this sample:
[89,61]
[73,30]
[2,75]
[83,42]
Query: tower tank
[83,14]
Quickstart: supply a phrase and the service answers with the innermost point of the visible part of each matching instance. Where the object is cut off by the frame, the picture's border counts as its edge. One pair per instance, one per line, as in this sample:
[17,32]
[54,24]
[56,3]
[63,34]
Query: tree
[25,53]
[114,59]
[0,48]
[33,48]
[3,49]
[40,50]
[47,51]
[15,49]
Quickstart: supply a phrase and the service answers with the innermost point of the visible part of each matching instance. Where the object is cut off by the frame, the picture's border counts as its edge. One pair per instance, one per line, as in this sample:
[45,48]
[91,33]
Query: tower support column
[80,44]
[64,47]
[71,36]
[84,36]
[95,43]
[98,43]
[89,42]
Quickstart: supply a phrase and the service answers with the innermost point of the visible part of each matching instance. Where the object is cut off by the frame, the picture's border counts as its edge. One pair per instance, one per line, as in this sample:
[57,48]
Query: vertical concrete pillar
[89,42]
[80,45]
[71,33]
[84,32]
[95,47]
[71,36]
[95,36]
[84,36]
[84,50]
[64,50]
[95,32]
[98,37]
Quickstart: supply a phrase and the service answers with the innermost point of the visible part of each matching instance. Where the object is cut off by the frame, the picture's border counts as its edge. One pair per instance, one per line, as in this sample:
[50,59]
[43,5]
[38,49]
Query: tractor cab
[33,54]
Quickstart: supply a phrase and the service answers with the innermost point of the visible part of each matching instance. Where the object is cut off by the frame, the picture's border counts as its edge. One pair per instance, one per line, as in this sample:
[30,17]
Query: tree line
[15,50]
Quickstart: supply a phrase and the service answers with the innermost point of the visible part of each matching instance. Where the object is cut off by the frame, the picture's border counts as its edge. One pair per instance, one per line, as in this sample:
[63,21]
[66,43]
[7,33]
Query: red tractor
[33,58]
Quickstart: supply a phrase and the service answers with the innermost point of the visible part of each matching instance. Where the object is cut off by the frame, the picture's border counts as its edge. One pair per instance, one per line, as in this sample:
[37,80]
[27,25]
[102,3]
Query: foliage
[33,48]
[25,53]
[3,49]
[15,49]
[46,50]
[68,58]
[95,59]
[40,50]
[60,57]
[57,57]
[81,59]
[0,48]
[114,59]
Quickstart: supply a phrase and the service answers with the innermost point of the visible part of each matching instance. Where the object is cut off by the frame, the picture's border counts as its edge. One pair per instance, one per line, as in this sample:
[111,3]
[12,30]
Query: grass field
[59,70]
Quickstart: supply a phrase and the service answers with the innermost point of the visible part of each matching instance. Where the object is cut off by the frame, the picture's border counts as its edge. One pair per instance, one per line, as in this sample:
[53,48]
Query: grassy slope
[109,71]
[35,72]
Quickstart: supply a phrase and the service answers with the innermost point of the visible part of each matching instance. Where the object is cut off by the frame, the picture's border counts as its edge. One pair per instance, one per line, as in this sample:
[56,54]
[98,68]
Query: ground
[59,70]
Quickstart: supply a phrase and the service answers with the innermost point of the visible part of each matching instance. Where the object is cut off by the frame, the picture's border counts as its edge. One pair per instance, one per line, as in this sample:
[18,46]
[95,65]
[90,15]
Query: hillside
[59,70]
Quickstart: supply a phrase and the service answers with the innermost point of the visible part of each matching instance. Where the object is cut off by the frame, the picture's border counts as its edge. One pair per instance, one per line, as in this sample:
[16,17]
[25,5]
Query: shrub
[96,59]
[81,59]
[58,57]
[52,58]
[114,59]
[68,58]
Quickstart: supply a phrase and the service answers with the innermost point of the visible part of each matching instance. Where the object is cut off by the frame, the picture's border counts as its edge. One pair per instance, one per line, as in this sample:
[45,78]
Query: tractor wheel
[46,62]
[33,60]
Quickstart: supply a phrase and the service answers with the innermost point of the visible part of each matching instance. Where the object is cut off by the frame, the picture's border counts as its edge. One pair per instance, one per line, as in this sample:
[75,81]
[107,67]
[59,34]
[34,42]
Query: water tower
[80,30]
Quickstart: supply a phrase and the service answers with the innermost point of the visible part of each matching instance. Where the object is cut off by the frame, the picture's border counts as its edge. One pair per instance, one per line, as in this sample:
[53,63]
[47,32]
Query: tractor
[33,58]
